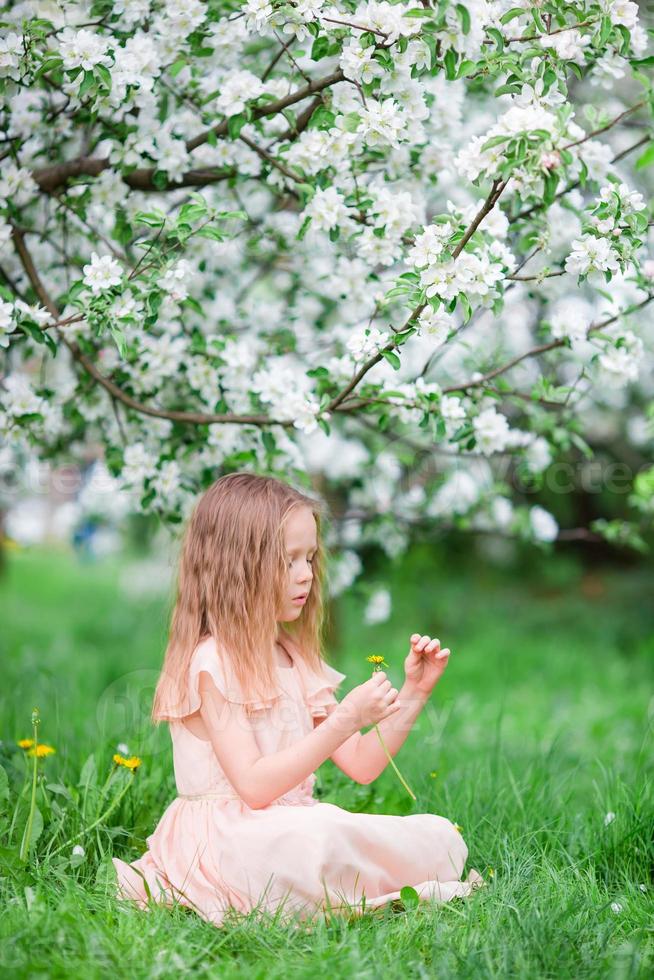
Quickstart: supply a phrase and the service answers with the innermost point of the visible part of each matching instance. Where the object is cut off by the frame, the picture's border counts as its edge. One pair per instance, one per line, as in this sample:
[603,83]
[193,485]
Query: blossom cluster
[371,296]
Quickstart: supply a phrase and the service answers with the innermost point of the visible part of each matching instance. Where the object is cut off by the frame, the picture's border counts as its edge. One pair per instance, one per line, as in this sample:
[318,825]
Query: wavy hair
[231,582]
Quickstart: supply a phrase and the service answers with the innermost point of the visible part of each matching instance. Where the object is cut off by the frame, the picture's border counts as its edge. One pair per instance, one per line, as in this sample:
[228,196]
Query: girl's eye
[310,560]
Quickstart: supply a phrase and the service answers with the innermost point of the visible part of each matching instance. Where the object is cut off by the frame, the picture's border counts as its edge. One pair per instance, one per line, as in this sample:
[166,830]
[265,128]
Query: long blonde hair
[231,582]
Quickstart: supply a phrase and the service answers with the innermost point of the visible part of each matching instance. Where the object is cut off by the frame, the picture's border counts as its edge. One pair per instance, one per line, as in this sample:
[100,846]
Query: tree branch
[50,178]
[541,348]
[493,196]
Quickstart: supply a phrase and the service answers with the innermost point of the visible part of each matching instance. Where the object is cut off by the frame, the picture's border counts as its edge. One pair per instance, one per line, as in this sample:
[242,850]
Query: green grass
[541,725]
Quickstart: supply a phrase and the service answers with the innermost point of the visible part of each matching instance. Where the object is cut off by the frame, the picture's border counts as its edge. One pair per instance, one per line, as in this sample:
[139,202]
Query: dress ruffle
[318,687]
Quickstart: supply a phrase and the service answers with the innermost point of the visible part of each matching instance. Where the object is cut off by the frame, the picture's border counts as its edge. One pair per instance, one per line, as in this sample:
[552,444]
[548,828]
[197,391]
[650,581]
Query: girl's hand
[425,663]
[370,702]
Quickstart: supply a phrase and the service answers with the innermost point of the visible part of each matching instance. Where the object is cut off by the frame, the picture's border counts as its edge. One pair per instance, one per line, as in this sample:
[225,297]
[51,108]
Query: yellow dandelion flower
[41,751]
[457,827]
[491,873]
[375,658]
[433,774]
[132,763]
[25,743]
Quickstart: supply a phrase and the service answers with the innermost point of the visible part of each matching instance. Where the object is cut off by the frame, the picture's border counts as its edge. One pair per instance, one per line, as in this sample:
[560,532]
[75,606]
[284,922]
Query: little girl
[252,714]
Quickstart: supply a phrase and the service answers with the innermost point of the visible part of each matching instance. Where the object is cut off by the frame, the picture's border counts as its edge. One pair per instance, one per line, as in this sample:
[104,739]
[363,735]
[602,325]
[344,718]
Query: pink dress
[210,851]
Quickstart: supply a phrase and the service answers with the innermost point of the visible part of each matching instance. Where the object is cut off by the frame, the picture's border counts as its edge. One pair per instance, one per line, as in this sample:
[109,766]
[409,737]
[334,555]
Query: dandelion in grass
[37,751]
[41,751]
[378,662]
[133,762]
[120,762]
[616,907]
[609,818]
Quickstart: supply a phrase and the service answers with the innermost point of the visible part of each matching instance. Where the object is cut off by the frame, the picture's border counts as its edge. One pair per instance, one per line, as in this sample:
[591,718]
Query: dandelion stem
[112,806]
[390,759]
[25,843]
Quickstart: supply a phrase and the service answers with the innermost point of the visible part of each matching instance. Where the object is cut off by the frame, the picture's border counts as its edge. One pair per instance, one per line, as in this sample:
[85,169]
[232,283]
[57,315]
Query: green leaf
[121,340]
[176,67]
[409,896]
[322,118]
[351,122]
[392,359]
[450,64]
[59,789]
[398,291]
[89,773]
[511,14]
[646,159]
[605,30]
[320,47]
[464,68]
[10,861]
[104,76]
[235,124]
[538,20]
[495,141]
[88,83]
[581,444]
[551,183]
[38,334]
[189,212]
[268,440]
[4,785]
[496,36]
[464,14]
[210,232]
[153,219]
[303,228]
[36,831]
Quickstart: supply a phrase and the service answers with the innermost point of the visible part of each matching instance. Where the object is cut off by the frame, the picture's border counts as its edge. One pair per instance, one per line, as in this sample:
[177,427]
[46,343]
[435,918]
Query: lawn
[537,741]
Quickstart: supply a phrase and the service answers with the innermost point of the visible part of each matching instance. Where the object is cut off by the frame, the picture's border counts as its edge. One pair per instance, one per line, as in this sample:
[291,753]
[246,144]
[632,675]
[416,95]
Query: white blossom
[543,525]
[366,342]
[102,272]
[378,607]
[327,209]
[11,52]
[591,254]
[16,184]
[491,431]
[83,49]
[6,322]
[435,324]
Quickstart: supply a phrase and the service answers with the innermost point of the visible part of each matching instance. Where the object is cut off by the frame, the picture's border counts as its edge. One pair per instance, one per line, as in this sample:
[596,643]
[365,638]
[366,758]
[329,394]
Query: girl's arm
[260,779]
[361,757]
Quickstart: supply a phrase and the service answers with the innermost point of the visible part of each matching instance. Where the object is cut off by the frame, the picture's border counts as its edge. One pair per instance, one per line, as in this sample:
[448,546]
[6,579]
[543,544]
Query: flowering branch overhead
[244,232]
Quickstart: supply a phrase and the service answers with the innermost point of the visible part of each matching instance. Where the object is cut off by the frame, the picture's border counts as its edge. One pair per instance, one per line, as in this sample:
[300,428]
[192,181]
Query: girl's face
[300,542]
